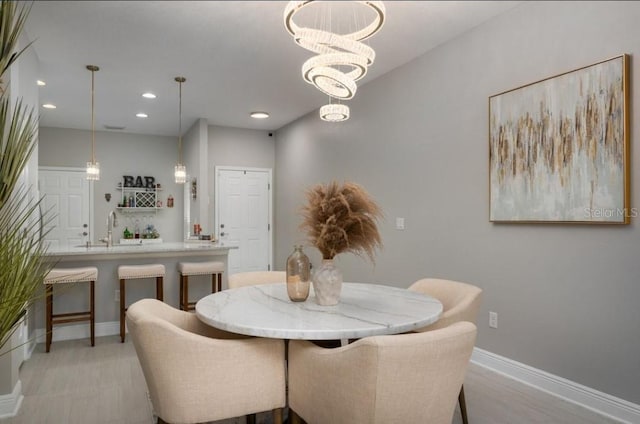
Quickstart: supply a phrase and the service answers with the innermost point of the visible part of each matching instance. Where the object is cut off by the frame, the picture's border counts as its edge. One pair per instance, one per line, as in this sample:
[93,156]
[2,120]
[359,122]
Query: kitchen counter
[107,260]
[131,251]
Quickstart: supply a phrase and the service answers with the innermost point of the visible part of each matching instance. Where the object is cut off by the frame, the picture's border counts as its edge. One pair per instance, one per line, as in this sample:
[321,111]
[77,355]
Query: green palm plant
[22,247]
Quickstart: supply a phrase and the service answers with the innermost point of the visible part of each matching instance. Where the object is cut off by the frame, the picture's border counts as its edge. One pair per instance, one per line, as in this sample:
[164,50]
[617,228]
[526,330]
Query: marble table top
[364,310]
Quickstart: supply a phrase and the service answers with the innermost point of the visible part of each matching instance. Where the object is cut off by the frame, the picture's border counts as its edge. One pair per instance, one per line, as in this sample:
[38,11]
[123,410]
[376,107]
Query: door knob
[222,234]
[84,233]
[221,225]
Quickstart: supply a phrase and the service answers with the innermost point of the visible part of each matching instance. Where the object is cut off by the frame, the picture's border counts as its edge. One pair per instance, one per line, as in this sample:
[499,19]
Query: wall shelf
[143,199]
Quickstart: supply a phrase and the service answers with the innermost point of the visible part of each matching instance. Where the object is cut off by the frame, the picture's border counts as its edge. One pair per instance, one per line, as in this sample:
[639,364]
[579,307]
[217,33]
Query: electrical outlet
[493,319]
[117,299]
[399,223]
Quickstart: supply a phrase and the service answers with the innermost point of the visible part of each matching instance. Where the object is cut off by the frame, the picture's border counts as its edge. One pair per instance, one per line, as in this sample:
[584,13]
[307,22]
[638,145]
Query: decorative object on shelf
[137,182]
[342,59]
[93,167]
[339,218]
[170,201]
[559,148]
[139,194]
[180,171]
[298,275]
[107,197]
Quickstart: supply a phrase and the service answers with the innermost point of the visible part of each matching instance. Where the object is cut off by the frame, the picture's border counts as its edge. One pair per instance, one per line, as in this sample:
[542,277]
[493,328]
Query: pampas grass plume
[341,218]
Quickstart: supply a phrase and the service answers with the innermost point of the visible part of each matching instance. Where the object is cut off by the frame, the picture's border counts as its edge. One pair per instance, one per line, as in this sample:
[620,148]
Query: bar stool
[70,275]
[132,272]
[198,268]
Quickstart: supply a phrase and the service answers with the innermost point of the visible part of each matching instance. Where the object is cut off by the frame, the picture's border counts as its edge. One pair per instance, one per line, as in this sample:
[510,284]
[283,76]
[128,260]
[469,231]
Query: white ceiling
[237,57]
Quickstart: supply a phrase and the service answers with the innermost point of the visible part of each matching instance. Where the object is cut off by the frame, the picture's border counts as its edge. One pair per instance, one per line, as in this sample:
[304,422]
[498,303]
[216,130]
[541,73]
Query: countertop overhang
[151,250]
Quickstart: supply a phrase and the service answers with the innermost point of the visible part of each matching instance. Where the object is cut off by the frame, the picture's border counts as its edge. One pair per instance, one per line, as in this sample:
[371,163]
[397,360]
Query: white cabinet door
[66,198]
[243,217]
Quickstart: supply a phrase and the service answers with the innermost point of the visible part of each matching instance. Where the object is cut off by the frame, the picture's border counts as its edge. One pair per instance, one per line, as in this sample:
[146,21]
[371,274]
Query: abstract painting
[558,148]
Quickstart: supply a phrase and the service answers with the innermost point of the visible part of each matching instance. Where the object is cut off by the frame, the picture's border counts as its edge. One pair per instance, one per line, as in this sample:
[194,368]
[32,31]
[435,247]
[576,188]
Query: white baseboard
[568,390]
[10,404]
[29,347]
[79,331]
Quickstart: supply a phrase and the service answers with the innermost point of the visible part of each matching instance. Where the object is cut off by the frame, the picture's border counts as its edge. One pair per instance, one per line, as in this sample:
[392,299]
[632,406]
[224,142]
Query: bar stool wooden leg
[185,293]
[463,406]
[277,416]
[294,418]
[180,302]
[92,312]
[159,293]
[122,310]
[49,294]
[214,285]
[219,282]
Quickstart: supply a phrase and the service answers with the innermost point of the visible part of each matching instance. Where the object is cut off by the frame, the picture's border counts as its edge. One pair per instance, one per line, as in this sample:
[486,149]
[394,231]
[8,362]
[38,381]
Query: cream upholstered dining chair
[196,373]
[252,278]
[405,378]
[460,302]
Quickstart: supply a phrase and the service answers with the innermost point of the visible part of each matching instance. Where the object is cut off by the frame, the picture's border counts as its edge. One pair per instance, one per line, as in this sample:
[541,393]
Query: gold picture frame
[559,148]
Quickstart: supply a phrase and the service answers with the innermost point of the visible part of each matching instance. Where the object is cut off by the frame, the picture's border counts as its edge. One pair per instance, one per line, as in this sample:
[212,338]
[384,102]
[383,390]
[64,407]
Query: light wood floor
[77,384]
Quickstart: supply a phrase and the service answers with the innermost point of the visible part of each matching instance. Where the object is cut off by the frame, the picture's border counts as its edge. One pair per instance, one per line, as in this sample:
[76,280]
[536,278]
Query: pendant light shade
[180,171]
[93,167]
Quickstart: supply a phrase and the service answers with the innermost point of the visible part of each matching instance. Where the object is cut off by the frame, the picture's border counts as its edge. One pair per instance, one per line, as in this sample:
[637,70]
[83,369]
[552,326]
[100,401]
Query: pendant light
[180,171]
[93,167]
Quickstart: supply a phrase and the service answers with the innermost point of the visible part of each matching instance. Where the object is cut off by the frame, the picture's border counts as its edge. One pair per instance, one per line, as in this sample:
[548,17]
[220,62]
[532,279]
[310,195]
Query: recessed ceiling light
[149,96]
[48,106]
[142,115]
[259,115]
[41,83]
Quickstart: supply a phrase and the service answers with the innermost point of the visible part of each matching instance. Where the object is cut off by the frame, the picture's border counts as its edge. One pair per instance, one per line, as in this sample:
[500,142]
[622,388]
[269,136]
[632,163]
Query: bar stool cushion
[126,272]
[71,275]
[200,268]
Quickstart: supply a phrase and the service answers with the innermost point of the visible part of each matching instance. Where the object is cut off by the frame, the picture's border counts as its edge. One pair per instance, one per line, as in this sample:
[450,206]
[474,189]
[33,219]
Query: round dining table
[364,310]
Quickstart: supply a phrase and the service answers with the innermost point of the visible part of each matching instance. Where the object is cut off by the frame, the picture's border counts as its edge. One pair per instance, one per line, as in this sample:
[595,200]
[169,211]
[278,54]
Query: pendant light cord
[93,70]
[93,130]
[180,80]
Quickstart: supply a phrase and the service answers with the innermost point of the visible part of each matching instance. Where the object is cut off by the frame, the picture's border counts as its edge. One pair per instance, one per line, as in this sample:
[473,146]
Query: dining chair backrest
[406,378]
[460,301]
[196,373]
[253,278]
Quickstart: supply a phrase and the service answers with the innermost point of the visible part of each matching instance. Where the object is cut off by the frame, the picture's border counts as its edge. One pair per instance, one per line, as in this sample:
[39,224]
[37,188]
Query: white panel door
[66,198]
[256,233]
[243,217]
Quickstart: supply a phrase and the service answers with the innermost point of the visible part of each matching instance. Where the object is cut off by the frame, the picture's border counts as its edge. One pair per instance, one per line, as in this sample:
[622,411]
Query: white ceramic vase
[327,283]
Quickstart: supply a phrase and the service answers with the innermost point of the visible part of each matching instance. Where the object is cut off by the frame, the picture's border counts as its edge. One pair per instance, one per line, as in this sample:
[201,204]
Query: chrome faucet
[112,221]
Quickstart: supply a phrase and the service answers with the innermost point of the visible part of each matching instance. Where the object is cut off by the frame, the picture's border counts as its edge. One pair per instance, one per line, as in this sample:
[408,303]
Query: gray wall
[195,146]
[237,147]
[417,140]
[119,154]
